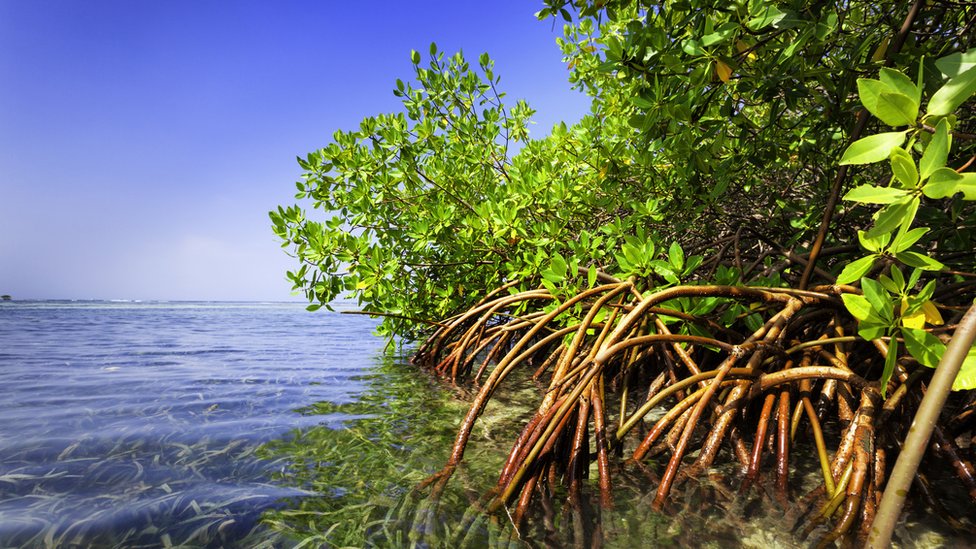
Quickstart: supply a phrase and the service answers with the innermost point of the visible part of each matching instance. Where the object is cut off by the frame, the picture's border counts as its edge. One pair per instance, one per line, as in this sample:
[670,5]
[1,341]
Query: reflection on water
[137,424]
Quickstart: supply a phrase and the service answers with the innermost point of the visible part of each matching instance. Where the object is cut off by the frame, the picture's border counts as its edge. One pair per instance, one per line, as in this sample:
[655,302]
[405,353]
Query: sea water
[133,424]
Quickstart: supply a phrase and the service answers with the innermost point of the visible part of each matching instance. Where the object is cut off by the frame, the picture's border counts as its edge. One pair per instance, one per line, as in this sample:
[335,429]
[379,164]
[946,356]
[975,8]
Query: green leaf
[721,34]
[691,47]
[919,261]
[873,148]
[549,284]
[967,186]
[869,92]
[909,216]
[894,215]
[869,194]
[945,182]
[632,253]
[937,151]
[415,57]
[855,270]
[903,166]
[957,63]
[879,299]
[888,103]
[872,328]
[641,102]
[558,265]
[926,294]
[896,109]
[857,305]
[898,81]
[889,367]
[676,256]
[753,322]
[913,278]
[591,276]
[920,77]
[905,240]
[925,347]
[623,263]
[665,271]
[942,183]
[966,378]
[953,93]
[874,244]
[897,277]
[769,15]
[889,284]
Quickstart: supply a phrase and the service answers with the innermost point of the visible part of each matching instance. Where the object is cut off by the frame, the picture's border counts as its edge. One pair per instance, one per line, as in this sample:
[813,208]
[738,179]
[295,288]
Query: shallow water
[263,425]
[137,423]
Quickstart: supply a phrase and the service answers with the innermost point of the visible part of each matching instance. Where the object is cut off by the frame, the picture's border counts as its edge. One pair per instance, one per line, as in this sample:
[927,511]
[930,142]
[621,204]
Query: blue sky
[142,143]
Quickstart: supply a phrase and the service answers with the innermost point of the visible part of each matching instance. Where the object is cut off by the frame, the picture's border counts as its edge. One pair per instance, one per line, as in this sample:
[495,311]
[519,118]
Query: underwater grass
[391,439]
[135,490]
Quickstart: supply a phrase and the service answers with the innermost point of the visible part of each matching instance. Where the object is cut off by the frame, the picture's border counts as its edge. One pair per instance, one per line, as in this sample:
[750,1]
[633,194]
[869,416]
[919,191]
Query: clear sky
[142,143]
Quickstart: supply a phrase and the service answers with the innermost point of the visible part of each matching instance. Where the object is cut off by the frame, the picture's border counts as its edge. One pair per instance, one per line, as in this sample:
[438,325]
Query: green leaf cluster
[888,308]
[894,99]
[715,135]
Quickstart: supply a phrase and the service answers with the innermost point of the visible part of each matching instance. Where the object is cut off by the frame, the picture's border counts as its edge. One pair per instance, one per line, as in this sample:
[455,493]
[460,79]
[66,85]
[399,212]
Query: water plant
[749,258]
[361,476]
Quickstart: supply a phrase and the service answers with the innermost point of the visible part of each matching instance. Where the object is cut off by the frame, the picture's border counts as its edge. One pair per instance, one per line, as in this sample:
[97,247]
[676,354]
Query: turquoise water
[137,424]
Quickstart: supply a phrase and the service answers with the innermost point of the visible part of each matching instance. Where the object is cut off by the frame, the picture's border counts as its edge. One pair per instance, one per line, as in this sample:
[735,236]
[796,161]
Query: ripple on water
[137,424]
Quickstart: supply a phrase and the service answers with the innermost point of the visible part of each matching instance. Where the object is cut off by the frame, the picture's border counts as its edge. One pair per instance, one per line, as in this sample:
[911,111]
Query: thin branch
[959,135]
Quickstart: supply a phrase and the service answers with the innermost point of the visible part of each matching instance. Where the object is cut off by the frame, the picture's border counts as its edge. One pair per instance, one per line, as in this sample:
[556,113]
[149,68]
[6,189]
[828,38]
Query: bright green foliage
[887,308]
[728,146]
[715,128]
[420,200]
[892,234]
[723,148]
[430,209]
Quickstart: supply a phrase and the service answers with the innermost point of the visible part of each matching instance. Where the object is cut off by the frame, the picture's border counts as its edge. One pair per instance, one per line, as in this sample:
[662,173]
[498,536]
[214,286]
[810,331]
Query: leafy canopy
[712,123]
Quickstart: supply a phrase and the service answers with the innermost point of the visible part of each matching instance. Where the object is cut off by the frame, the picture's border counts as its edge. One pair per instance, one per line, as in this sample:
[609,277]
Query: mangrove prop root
[759,440]
[783,444]
[769,333]
[798,387]
[602,445]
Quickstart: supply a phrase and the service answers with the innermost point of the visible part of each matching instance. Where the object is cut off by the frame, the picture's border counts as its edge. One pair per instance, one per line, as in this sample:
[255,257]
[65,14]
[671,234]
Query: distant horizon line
[119,300]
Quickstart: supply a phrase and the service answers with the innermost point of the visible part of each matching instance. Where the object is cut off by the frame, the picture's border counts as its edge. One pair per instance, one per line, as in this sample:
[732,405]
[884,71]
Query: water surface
[137,423]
